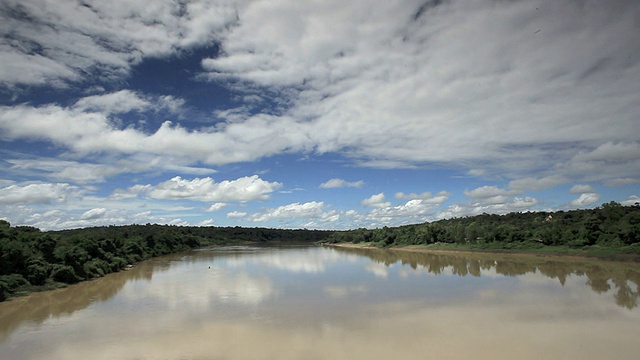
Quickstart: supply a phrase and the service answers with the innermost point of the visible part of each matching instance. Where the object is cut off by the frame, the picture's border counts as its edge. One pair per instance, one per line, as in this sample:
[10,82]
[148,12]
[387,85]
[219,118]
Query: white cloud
[531,183]
[377,89]
[38,193]
[339,183]
[586,200]
[610,151]
[236,214]
[487,192]
[216,207]
[376,200]
[89,132]
[171,103]
[631,201]
[77,39]
[117,102]
[373,86]
[426,197]
[130,193]
[515,204]
[93,214]
[550,99]
[401,195]
[308,210]
[65,170]
[413,211]
[98,169]
[246,188]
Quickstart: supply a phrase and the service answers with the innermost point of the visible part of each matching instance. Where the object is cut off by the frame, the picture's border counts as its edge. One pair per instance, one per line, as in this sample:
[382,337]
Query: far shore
[423,249]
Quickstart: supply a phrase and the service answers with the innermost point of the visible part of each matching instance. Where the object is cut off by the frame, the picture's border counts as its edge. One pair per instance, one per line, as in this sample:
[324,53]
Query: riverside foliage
[610,226]
[32,260]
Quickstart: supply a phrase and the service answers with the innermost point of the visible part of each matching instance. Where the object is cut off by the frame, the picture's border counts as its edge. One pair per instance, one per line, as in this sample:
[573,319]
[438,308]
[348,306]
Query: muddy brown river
[247,302]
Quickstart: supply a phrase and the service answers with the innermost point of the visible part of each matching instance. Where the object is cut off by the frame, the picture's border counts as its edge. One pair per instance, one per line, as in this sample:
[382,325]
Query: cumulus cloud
[419,208]
[312,209]
[216,207]
[631,201]
[376,200]
[586,200]
[339,183]
[246,188]
[588,195]
[515,204]
[411,211]
[73,213]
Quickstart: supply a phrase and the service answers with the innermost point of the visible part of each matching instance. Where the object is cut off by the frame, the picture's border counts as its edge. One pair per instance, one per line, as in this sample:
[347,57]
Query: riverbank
[602,253]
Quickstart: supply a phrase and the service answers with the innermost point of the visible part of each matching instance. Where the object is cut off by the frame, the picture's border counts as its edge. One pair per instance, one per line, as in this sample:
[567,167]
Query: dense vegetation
[610,226]
[34,260]
[31,259]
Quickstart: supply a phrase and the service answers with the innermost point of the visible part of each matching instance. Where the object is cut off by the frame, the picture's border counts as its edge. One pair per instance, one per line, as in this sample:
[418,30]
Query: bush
[64,273]
[37,272]
[10,283]
[96,268]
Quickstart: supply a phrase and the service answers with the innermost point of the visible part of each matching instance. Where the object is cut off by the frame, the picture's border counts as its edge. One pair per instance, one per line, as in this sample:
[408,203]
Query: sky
[326,114]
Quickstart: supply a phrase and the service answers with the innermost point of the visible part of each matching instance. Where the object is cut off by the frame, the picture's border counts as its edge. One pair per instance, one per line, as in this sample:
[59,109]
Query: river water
[247,302]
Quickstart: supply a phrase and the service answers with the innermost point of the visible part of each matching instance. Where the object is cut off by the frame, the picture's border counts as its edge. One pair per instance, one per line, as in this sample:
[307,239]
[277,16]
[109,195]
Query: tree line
[610,225]
[32,260]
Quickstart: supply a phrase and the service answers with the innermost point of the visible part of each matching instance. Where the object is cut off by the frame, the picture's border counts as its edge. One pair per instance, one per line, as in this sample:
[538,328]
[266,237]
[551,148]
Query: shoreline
[620,257]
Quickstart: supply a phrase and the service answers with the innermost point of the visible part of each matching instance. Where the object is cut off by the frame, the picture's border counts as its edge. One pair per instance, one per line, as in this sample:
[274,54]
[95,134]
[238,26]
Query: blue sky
[314,114]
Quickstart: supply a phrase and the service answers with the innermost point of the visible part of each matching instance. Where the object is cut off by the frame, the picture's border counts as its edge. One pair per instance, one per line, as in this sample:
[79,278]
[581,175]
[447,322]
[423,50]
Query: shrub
[64,273]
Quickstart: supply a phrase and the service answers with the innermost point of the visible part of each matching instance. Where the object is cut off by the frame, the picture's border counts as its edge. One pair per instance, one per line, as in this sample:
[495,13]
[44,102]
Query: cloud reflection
[305,260]
[205,287]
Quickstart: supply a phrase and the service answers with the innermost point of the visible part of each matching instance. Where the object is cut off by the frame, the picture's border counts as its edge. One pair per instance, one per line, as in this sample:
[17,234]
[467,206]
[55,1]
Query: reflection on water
[600,276]
[334,303]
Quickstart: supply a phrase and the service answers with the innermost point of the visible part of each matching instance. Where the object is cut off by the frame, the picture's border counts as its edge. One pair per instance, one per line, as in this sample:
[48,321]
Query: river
[300,302]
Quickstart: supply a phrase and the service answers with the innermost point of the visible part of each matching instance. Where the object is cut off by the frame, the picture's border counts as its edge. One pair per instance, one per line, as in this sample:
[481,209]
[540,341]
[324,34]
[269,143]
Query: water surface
[333,303]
